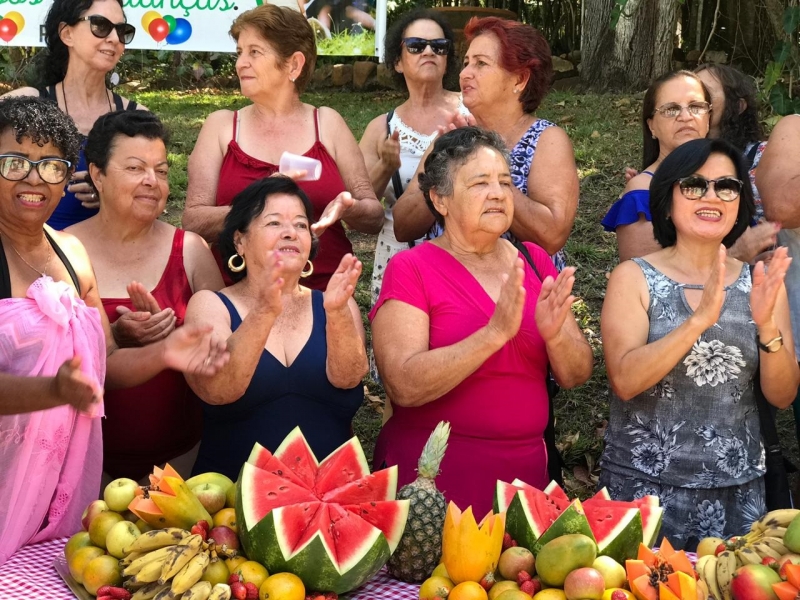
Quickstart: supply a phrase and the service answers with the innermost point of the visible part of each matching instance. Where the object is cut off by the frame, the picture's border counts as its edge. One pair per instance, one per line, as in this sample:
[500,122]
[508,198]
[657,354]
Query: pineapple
[420,548]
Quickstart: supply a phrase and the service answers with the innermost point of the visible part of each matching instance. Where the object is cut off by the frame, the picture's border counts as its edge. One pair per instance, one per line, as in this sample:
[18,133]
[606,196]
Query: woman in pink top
[465,327]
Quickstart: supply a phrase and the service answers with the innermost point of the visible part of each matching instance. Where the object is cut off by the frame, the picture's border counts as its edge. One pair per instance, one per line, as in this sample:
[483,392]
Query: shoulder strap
[235,136]
[316,123]
[521,247]
[48,92]
[236,320]
[397,183]
[118,103]
[5,276]
[63,257]
[751,155]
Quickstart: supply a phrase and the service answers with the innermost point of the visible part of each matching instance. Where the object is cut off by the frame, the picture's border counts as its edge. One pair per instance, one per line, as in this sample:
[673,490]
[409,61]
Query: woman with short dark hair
[685,330]
[276,54]
[466,326]
[146,272]
[85,40]
[297,355]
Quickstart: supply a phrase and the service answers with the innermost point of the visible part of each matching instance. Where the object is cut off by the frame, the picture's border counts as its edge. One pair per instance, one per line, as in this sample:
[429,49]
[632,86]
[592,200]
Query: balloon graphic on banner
[167,28]
[181,33]
[11,25]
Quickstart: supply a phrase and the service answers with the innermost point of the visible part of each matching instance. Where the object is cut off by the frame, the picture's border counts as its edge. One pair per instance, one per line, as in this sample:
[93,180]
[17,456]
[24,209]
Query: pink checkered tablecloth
[30,574]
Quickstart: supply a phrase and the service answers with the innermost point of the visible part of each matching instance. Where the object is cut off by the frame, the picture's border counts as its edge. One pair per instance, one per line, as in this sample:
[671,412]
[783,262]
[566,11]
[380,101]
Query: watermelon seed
[283,488]
[272,495]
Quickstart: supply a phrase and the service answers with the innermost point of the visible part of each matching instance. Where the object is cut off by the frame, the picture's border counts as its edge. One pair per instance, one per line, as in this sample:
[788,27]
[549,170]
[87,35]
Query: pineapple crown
[433,452]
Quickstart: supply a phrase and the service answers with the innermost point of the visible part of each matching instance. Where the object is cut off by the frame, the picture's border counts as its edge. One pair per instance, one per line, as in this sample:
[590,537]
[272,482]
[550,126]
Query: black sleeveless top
[5,275]
[49,93]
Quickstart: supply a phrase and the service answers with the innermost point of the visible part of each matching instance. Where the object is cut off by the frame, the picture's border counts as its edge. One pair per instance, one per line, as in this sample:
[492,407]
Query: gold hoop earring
[309,270]
[236,268]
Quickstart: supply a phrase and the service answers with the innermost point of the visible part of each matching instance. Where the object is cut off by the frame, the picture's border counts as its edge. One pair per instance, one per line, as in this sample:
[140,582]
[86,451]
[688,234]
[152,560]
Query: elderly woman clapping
[466,326]
[686,330]
[297,355]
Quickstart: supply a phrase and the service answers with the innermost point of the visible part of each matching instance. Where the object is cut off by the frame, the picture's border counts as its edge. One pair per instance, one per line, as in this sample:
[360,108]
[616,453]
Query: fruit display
[471,551]
[749,567]
[420,547]
[331,523]
[655,575]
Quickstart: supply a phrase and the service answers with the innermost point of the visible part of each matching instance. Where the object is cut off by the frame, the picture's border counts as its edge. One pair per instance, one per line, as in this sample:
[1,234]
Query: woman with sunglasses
[420,48]
[58,351]
[676,109]
[85,40]
[505,76]
[276,51]
[686,330]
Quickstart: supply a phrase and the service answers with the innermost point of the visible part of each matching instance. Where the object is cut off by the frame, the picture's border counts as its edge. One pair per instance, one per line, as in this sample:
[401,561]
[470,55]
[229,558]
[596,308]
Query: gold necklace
[46,264]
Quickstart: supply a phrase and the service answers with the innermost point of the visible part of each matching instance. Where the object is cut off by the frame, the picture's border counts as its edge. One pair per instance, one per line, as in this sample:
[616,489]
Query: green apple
[119,494]
[211,496]
[613,573]
[120,536]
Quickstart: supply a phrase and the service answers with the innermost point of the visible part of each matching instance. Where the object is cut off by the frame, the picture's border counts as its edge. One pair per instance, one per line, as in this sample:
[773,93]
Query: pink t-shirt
[499,413]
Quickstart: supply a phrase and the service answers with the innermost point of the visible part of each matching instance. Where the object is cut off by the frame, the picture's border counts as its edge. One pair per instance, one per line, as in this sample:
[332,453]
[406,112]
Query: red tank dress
[239,170]
[152,423]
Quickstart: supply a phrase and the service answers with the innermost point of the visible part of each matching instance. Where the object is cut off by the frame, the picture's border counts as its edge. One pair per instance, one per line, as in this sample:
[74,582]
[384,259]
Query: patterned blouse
[698,427]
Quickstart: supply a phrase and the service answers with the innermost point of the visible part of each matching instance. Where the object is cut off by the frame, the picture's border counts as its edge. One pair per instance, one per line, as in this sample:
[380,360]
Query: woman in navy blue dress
[297,355]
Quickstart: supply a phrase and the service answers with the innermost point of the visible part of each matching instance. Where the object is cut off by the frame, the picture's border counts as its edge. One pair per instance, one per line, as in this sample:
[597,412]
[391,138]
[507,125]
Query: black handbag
[776,479]
[555,462]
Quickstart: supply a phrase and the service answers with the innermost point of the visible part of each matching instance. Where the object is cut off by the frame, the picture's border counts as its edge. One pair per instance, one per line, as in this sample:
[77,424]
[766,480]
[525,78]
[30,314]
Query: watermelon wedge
[331,523]
[616,528]
[649,506]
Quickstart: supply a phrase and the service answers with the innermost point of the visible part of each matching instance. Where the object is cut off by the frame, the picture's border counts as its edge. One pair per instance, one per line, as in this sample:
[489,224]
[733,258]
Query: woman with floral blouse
[686,332]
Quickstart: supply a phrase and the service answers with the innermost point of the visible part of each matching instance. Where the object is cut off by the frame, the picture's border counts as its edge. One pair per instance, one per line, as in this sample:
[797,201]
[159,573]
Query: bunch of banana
[775,521]
[717,573]
[168,565]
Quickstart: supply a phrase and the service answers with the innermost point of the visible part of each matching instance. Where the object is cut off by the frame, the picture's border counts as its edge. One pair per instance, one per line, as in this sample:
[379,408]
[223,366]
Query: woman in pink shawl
[56,348]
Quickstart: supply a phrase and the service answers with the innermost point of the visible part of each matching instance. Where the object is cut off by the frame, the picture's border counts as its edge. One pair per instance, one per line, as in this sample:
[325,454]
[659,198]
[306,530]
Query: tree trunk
[638,50]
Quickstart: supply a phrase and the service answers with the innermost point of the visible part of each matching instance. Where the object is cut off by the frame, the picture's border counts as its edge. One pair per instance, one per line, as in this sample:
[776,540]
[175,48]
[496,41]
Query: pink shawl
[50,460]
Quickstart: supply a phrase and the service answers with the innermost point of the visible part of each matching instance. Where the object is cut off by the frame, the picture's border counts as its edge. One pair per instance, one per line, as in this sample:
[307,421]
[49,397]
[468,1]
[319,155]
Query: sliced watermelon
[652,514]
[333,524]
[616,528]
[504,494]
[554,490]
[602,494]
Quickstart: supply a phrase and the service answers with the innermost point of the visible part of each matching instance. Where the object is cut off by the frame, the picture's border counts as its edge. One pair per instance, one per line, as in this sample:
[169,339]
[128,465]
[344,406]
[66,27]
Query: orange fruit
[233,563]
[436,586]
[440,571]
[468,590]
[226,517]
[80,559]
[500,587]
[76,542]
[217,572]
[282,586]
[103,570]
[252,572]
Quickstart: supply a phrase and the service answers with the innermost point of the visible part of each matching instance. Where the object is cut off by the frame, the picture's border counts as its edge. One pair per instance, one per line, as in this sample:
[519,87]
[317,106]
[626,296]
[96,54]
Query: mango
[754,582]
[563,555]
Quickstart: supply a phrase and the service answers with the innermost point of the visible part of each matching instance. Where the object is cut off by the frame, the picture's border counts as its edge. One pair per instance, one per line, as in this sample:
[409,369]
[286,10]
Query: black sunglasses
[695,187]
[101,28]
[16,168]
[416,45]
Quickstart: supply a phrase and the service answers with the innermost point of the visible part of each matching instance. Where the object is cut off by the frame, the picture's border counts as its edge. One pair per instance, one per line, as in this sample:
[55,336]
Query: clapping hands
[555,303]
[146,324]
[767,283]
[342,283]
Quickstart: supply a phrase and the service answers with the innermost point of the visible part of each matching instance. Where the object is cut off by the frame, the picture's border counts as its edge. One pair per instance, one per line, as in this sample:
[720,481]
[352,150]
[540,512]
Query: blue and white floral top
[698,427]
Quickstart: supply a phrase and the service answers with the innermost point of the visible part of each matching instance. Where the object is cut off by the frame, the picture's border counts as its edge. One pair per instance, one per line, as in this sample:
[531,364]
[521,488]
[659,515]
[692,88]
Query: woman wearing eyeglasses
[685,331]
[676,109]
[420,48]
[85,40]
[276,54]
[56,348]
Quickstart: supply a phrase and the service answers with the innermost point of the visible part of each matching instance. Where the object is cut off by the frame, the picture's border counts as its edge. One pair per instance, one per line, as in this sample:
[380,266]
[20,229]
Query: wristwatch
[771,346]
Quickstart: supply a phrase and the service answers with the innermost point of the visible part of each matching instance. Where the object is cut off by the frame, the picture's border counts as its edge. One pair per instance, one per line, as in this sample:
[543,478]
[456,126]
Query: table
[30,574]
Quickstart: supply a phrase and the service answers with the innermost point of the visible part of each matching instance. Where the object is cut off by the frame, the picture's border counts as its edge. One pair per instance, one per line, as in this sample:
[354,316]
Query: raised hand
[333,212]
[455,121]
[756,242]
[83,191]
[71,386]
[269,285]
[195,349]
[139,328]
[342,283]
[507,316]
[141,298]
[767,282]
[707,312]
[554,303]
[389,151]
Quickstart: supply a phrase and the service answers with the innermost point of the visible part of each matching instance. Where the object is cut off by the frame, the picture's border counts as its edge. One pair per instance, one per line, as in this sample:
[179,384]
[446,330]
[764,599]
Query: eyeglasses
[672,111]
[16,168]
[101,28]
[416,45]
[695,187]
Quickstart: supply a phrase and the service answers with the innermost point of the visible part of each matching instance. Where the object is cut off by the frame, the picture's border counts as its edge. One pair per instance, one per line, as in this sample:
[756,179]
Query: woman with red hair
[506,75]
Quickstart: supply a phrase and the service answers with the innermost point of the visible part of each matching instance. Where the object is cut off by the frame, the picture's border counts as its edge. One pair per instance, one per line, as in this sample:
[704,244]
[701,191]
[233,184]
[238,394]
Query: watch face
[775,345]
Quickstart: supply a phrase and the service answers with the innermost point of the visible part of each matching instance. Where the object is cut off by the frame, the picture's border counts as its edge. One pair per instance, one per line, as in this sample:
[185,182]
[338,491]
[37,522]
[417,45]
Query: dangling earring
[239,268]
[309,270]
[653,135]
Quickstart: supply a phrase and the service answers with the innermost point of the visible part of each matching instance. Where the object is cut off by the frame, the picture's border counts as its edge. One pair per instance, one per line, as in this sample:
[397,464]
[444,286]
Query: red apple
[94,509]
[754,582]
[224,536]
[584,584]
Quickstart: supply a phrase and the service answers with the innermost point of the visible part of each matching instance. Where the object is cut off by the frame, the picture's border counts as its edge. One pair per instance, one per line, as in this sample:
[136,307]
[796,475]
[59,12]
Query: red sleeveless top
[239,170]
[154,422]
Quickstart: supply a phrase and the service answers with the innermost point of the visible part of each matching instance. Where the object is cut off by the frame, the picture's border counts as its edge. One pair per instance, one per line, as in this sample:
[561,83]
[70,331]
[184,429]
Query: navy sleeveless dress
[278,399]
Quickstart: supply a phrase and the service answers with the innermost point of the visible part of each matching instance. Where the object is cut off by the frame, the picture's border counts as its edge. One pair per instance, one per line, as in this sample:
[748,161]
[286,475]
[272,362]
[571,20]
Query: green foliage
[782,72]
[347,44]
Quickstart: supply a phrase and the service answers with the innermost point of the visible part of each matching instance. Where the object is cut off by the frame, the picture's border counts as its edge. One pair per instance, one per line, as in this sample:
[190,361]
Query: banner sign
[343,27]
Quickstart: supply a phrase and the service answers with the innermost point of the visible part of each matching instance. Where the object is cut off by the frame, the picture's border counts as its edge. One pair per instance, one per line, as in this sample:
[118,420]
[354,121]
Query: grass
[347,44]
[606,134]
